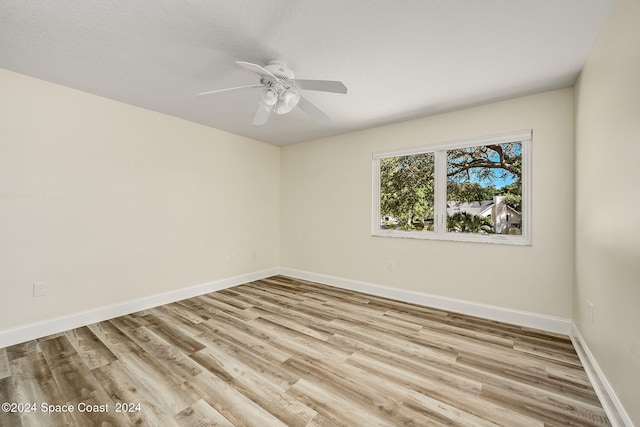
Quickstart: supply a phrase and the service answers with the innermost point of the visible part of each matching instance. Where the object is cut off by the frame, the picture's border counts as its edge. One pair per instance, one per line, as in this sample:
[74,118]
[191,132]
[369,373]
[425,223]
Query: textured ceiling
[399,59]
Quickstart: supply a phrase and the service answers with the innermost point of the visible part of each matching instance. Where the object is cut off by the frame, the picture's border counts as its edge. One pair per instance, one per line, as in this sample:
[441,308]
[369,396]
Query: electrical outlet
[39,289]
[391,265]
[231,258]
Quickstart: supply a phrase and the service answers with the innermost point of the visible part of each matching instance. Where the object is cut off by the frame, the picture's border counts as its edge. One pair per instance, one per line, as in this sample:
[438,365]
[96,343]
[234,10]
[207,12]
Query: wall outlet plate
[39,289]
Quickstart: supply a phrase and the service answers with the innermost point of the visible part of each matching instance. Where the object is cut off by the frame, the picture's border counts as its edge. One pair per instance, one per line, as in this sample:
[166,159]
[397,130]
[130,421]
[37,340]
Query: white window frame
[440,193]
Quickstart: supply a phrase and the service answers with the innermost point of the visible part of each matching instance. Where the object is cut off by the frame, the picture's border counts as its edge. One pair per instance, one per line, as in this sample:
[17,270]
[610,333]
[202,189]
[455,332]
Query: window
[472,190]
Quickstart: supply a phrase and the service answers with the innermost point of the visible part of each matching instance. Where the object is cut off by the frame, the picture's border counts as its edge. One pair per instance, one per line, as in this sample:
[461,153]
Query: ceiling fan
[281,91]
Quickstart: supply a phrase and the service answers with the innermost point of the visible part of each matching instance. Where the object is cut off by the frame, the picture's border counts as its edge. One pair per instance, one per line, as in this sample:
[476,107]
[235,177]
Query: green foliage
[513,200]
[474,192]
[469,192]
[406,188]
[513,195]
[464,222]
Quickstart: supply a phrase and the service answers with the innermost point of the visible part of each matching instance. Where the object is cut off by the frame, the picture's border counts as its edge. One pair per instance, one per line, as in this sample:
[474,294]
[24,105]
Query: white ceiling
[399,59]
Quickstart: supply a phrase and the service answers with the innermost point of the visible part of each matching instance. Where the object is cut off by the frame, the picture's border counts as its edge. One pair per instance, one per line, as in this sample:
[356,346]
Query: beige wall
[326,188]
[608,203]
[108,203]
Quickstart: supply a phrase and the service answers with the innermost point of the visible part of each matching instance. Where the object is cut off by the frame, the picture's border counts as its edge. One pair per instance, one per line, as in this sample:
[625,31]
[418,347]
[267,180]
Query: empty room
[319,213]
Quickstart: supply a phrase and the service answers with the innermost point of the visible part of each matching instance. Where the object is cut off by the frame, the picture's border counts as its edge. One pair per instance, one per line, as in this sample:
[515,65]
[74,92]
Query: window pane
[484,189]
[406,192]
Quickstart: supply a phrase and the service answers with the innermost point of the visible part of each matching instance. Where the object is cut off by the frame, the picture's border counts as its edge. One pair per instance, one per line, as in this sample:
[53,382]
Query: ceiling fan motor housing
[280,70]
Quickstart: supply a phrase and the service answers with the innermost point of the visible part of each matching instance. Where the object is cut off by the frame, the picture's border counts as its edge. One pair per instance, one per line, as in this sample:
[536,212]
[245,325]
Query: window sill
[455,237]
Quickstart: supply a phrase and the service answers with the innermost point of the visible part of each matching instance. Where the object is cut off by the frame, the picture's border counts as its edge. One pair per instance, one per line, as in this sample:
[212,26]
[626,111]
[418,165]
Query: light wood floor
[288,352]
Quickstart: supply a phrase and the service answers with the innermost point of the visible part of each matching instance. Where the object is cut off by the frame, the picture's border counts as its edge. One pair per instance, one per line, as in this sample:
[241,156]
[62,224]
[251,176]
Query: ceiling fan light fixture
[287,101]
[290,97]
[269,97]
[282,107]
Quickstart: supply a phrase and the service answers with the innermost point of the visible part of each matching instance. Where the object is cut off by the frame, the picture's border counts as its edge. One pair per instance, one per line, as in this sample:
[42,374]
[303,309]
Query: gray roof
[474,208]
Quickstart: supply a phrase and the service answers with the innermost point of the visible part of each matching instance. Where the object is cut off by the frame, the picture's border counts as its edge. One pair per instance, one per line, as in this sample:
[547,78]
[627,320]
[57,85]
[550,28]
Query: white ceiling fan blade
[322,85]
[262,115]
[231,89]
[313,111]
[256,69]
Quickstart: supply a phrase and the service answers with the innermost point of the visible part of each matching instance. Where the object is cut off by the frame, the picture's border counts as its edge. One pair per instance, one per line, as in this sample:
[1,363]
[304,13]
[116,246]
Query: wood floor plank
[435,411]
[76,383]
[170,357]
[173,332]
[270,368]
[196,307]
[552,409]
[247,335]
[216,304]
[546,352]
[357,388]
[311,320]
[92,351]
[201,414]
[21,350]
[231,403]
[123,386]
[501,371]
[274,293]
[574,376]
[451,329]
[248,381]
[186,315]
[294,325]
[70,374]
[97,410]
[5,370]
[7,394]
[167,385]
[33,382]
[322,421]
[295,342]
[361,333]
[363,387]
[282,351]
[327,402]
[463,398]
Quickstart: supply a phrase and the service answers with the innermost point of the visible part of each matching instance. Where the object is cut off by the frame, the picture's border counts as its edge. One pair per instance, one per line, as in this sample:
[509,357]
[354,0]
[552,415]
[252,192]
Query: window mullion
[440,201]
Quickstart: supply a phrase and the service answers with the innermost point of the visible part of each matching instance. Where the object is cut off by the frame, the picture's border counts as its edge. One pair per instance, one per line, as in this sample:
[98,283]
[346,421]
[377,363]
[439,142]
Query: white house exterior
[504,218]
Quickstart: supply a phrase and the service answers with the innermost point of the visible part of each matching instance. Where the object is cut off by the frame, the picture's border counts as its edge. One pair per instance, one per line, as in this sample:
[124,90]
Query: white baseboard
[522,318]
[40,329]
[608,398]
